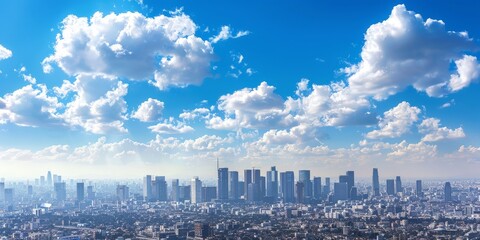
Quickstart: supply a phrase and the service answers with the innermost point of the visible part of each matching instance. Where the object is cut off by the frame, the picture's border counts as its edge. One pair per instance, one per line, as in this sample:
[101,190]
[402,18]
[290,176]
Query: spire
[217,164]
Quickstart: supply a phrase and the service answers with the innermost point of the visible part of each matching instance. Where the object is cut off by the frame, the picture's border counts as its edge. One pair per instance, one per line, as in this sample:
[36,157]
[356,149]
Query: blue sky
[121,88]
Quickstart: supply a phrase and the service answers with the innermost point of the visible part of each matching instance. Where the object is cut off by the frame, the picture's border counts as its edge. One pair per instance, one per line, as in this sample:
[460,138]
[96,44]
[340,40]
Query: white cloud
[28,78]
[4,53]
[226,33]
[396,121]
[30,106]
[405,50]
[130,45]
[468,70]
[98,105]
[169,127]
[433,132]
[149,111]
[194,114]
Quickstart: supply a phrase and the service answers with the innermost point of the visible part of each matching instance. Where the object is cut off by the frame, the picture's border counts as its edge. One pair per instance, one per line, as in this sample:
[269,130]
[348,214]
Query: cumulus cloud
[169,127]
[396,121]
[406,50]
[226,33]
[4,53]
[195,113]
[149,111]
[162,49]
[433,132]
[98,105]
[30,106]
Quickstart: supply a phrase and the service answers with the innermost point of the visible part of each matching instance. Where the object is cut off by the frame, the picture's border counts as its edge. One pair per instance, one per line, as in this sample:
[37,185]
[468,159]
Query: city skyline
[122,89]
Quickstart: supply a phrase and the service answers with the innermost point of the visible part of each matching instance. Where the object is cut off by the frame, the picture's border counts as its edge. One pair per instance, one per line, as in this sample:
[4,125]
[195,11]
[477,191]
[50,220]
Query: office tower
[390,187]
[398,184]
[262,188]
[304,177]
[247,179]
[272,183]
[447,191]
[353,193]
[256,176]
[326,188]
[8,196]
[340,191]
[42,180]
[222,186]
[241,188]
[209,193]
[300,191]
[317,188]
[159,189]
[343,179]
[233,186]
[90,193]
[49,178]
[30,190]
[175,194]
[196,190]
[2,192]
[184,193]
[350,182]
[375,183]
[287,183]
[80,191]
[147,188]
[60,189]
[37,181]
[419,190]
[122,193]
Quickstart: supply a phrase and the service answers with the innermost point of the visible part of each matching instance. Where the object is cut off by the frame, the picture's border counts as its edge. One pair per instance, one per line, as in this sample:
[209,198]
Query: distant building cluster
[274,205]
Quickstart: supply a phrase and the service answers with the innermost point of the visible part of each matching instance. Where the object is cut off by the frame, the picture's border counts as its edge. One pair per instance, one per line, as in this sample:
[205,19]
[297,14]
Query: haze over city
[122,89]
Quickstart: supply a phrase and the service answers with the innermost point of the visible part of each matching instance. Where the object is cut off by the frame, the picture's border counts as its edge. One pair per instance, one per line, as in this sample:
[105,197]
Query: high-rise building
[222,187]
[350,182]
[326,188]
[209,193]
[175,190]
[317,188]
[241,188]
[184,193]
[159,189]
[30,190]
[300,191]
[304,177]
[90,193]
[287,184]
[2,192]
[390,187]
[80,191]
[233,187]
[247,179]
[49,178]
[147,188]
[202,230]
[122,193]
[60,189]
[42,180]
[272,183]
[8,196]
[196,190]
[340,191]
[353,193]
[447,192]
[418,189]
[375,183]
[262,189]
[398,184]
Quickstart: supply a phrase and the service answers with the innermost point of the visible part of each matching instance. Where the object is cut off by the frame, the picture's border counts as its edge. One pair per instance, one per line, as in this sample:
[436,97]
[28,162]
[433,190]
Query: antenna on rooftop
[217,164]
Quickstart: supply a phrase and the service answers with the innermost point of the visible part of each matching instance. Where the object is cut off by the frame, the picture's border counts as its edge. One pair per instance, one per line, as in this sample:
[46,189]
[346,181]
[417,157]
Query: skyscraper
[375,183]
[8,196]
[326,188]
[233,193]
[340,191]
[447,191]
[350,182]
[390,187]
[80,191]
[175,190]
[2,192]
[196,190]
[398,184]
[49,178]
[247,179]
[222,187]
[147,188]
[299,190]
[159,189]
[272,183]
[304,177]
[287,182]
[419,190]
[60,189]
[90,193]
[122,193]
[317,188]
